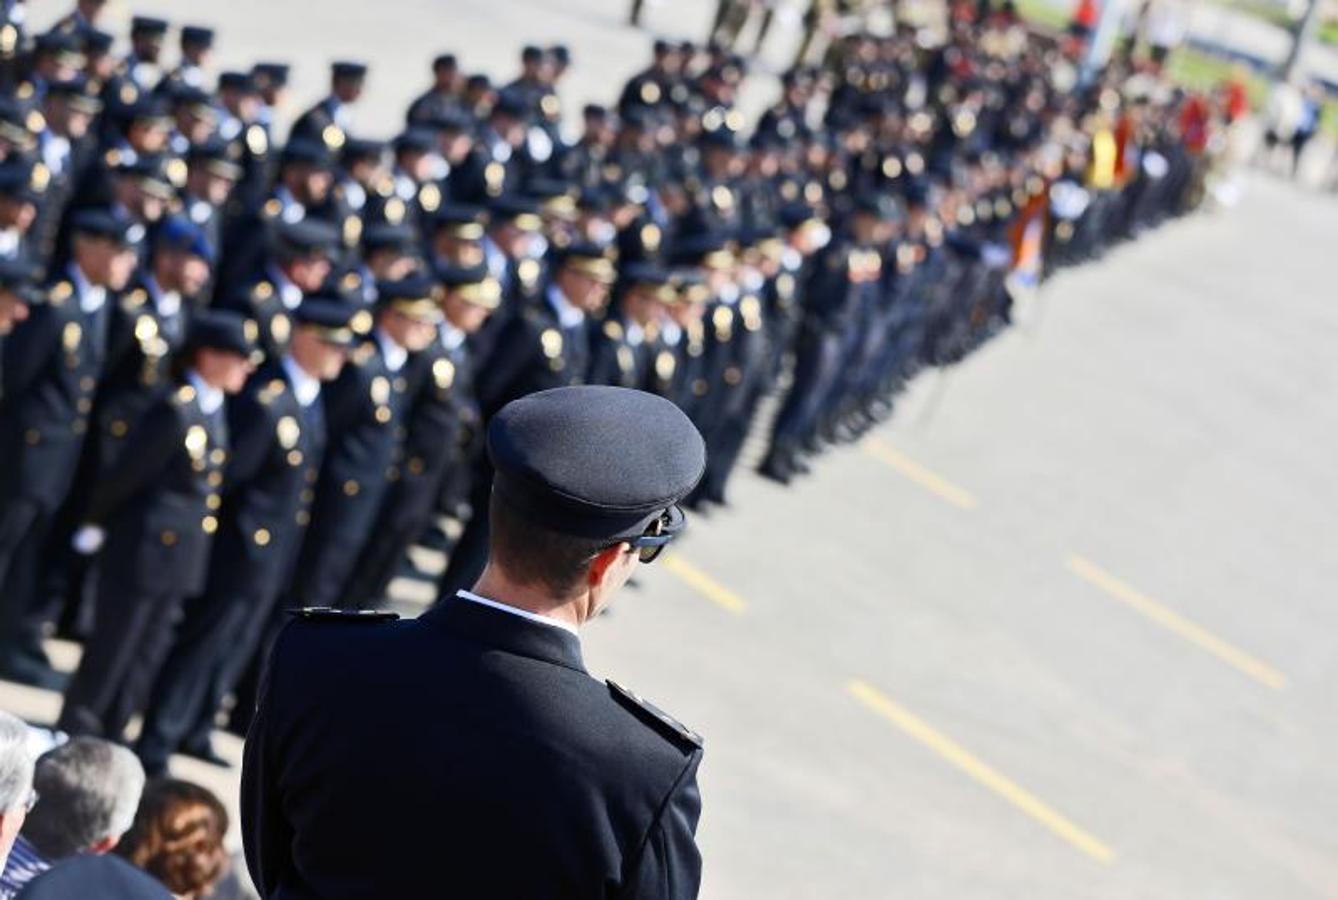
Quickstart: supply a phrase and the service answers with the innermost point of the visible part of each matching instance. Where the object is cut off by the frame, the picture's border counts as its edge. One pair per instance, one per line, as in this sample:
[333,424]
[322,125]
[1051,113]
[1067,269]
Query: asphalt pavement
[1061,629]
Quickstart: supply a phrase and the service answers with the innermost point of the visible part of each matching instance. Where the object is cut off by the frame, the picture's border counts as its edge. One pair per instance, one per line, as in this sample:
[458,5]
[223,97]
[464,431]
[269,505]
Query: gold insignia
[40,178]
[257,141]
[135,299]
[175,169]
[1002,208]
[280,328]
[494,173]
[70,335]
[361,323]
[751,310]
[429,197]
[550,106]
[287,431]
[723,321]
[528,271]
[263,290]
[185,394]
[146,328]
[209,524]
[250,330]
[272,207]
[333,136]
[650,93]
[118,428]
[168,538]
[722,198]
[626,361]
[650,237]
[665,364]
[789,190]
[218,456]
[443,373]
[382,414]
[196,441]
[613,330]
[380,390]
[213,501]
[733,375]
[261,537]
[352,231]
[351,488]
[112,157]
[613,172]
[551,340]
[394,210]
[891,167]
[294,458]
[351,282]
[61,292]
[129,93]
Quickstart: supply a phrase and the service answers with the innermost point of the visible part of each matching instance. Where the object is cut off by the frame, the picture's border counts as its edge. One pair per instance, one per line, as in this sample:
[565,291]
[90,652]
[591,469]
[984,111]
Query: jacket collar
[506,632]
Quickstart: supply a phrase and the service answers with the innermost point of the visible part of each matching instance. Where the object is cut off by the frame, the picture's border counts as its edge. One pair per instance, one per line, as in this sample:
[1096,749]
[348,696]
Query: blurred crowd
[243,374]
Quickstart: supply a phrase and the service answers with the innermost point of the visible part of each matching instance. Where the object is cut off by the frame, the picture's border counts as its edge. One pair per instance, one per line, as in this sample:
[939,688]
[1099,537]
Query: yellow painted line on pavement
[705,585]
[912,470]
[1172,621]
[980,772]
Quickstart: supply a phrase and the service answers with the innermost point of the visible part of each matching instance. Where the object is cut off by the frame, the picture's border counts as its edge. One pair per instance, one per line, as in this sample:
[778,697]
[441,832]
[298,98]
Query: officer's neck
[499,587]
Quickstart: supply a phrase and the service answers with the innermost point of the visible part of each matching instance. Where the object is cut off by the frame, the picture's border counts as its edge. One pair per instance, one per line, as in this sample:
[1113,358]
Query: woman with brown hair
[177,837]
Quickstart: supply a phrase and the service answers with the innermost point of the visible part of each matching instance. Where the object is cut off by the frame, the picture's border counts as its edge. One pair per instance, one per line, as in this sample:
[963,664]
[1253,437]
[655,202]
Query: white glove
[88,540]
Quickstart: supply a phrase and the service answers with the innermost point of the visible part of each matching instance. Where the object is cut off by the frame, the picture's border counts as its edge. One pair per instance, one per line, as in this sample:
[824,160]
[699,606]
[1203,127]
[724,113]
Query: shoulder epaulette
[655,717]
[330,614]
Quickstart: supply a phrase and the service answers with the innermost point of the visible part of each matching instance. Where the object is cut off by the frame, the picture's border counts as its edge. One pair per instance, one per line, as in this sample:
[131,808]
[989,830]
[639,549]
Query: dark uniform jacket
[159,503]
[533,353]
[512,774]
[53,363]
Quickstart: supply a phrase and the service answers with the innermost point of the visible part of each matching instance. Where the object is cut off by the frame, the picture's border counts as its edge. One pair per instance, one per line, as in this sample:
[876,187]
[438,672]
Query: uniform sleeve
[670,867]
[29,347]
[266,835]
[516,350]
[251,435]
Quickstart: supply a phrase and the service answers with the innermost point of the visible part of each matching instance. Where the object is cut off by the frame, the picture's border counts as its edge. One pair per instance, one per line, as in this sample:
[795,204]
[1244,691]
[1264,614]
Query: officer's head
[211,174]
[221,348]
[513,224]
[146,37]
[407,311]
[457,234]
[347,79]
[303,250]
[182,256]
[197,44]
[469,296]
[446,72]
[23,185]
[328,328]
[645,289]
[69,107]
[102,247]
[687,304]
[583,273]
[390,251]
[588,481]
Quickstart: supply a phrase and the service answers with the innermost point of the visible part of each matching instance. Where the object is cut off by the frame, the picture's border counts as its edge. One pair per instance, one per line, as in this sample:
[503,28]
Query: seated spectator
[16,780]
[105,877]
[90,789]
[177,837]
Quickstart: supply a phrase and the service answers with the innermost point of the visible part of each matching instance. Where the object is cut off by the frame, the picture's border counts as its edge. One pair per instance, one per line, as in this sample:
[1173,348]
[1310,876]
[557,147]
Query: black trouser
[25,526]
[131,637]
[214,629]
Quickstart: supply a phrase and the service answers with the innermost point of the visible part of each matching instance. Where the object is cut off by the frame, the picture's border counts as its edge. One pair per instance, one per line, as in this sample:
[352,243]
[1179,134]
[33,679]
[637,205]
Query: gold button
[32,436]
[209,524]
[118,428]
[294,457]
[200,465]
[303,517]
[383,414]
[351,488]
[307,495]
[311,476]
[218,456]
[415,466]
[213,501]
[168,538]
[215,479]
[262,537]
[87,383]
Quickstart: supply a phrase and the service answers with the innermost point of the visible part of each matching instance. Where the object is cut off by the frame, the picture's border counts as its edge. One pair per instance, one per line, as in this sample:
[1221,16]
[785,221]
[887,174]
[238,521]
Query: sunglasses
[652,542]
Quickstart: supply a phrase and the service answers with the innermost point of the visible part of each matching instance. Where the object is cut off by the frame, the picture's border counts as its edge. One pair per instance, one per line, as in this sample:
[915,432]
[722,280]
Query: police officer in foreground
[524,755]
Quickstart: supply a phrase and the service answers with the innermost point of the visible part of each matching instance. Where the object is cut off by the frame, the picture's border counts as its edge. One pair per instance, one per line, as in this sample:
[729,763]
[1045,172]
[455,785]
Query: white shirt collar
[516,611]
[289,293]
[568,315]
[305,387]
[635,334]
[210,397]
[391,352]
[451,337]
[671,332]
[90,298]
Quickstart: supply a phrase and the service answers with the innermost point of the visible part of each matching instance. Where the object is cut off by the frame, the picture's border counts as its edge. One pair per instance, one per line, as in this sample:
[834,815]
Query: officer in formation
[394,296]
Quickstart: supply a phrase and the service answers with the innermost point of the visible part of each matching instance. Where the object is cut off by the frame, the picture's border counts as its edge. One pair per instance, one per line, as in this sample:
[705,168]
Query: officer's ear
[606,569]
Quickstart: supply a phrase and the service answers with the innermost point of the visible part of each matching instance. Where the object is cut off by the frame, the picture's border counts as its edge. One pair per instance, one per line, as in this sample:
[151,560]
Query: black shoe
[34,673]
[205,754]
[774,469]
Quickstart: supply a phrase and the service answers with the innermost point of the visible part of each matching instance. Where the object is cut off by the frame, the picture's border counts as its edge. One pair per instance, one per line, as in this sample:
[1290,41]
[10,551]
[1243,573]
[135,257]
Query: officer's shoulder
[657,720]
[330,615]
